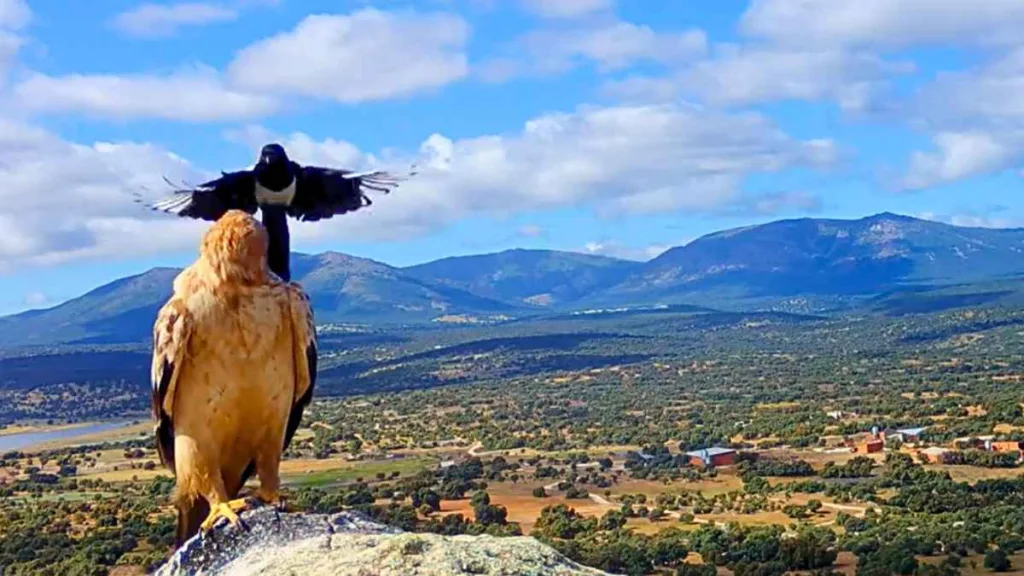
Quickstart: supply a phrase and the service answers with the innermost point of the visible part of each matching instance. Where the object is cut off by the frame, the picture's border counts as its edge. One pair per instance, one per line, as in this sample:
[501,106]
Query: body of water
[29,439]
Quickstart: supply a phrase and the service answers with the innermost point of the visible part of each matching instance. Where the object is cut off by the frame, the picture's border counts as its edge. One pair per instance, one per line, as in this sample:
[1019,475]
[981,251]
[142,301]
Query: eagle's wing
[305,350]
[210,200]
[326,192]
[171,333]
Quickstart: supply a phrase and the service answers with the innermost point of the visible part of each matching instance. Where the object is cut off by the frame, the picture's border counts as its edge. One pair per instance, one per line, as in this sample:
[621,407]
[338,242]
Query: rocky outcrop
[276,543]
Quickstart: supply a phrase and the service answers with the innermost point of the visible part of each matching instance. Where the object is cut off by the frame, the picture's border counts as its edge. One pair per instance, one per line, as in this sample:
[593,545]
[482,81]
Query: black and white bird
[280,187]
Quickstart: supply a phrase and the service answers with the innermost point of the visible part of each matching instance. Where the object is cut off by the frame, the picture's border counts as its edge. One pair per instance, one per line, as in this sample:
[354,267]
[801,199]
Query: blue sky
[619,128]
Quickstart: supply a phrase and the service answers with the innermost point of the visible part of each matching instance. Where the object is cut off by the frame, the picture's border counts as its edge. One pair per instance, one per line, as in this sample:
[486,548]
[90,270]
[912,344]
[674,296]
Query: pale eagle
[234,365]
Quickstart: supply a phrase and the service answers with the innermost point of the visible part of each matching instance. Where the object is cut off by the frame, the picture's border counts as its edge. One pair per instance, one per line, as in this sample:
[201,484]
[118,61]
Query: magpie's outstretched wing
[322,193]
[210,200]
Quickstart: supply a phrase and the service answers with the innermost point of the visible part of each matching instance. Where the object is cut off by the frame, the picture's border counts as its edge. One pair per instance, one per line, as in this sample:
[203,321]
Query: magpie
[279,187]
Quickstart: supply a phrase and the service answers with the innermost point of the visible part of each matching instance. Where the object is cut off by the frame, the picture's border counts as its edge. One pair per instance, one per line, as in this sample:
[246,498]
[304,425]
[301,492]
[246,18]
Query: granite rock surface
[291,544]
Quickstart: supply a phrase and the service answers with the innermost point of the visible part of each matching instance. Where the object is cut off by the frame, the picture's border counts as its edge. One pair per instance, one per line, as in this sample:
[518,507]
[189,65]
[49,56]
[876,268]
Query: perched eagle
[280,187]
[234,365]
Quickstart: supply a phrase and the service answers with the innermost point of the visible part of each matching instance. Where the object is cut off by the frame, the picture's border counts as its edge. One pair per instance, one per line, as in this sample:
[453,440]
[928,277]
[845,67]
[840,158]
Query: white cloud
[35,299]
[884,23]
[614,46]
[774,203]
[164,20]
[973,220]
[196,94]
[828,51]
[616,249]
[824,50]
[617,161]
[977,122]
[986,95]
[65,200]
[10,45]
[530,231]
[562,9]
[610,46]
[742,75]
[14,14]
[960,155]
[368,55]
[327,152]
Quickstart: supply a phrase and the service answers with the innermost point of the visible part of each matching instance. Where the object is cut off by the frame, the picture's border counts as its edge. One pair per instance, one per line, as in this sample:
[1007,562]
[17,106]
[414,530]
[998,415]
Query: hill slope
[121,311]
[886,262]
[536,277]
[345,288]
[342,288]
[823,258]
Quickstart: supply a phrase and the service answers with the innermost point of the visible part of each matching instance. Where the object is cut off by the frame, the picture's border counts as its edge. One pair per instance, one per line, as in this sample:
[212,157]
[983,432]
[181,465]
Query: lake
[29,439]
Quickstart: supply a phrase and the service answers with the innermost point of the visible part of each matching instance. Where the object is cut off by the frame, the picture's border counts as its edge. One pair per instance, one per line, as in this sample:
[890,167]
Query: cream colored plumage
[234,365]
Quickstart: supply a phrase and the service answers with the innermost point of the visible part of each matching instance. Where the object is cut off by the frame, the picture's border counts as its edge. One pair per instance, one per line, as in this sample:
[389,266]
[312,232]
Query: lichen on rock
[348,544]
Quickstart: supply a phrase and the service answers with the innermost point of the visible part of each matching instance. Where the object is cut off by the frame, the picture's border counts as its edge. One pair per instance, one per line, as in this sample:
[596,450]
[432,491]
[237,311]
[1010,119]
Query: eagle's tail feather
[190,517]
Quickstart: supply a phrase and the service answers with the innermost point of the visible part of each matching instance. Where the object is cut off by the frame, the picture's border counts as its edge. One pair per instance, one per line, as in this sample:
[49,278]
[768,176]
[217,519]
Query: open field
[522,506]
[972,474]
[311,473]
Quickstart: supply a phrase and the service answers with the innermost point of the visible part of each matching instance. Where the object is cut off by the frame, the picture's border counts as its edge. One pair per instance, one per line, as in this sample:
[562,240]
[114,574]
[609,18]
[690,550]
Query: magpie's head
[273,155]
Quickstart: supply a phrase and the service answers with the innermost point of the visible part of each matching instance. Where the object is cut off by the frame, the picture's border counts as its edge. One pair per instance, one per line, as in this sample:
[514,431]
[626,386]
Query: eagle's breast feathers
[238,357]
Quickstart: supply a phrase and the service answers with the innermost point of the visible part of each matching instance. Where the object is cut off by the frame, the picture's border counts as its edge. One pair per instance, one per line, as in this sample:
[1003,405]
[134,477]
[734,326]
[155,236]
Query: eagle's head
[235,248]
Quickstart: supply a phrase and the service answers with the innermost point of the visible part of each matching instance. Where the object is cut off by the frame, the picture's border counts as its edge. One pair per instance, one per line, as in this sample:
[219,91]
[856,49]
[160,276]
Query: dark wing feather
[171,333]
[210,200]
[323,193]
[303,401]
[305,350]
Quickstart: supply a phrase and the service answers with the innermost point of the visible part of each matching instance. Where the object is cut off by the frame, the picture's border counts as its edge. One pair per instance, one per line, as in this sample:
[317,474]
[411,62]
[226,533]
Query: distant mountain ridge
[535,277]
[816,262]
[825,257]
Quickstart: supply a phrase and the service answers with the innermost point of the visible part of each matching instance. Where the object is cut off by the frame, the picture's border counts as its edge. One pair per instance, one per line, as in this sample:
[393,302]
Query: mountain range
[807,264]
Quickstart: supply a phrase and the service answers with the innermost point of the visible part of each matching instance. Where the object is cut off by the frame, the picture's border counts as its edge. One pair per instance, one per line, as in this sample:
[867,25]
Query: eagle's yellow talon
[238,505]
[225,510]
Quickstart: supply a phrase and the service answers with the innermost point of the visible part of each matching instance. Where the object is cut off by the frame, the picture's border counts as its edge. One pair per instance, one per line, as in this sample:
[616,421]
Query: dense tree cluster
[859,467]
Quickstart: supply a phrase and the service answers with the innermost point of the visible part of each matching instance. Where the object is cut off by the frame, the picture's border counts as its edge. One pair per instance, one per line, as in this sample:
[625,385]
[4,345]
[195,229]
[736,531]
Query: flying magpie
[279,187]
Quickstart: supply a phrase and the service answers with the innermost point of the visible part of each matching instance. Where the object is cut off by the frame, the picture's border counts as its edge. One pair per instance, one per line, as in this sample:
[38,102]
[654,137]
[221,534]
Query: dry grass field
[522,506]
[972,474]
